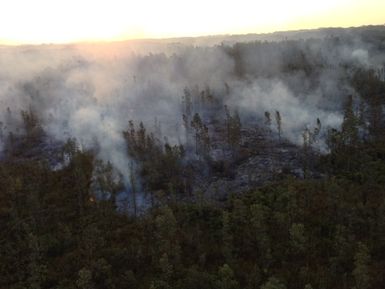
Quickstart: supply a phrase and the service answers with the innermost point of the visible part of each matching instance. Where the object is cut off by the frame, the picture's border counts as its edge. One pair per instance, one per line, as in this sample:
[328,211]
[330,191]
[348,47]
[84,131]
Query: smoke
[273,95]
[90,92]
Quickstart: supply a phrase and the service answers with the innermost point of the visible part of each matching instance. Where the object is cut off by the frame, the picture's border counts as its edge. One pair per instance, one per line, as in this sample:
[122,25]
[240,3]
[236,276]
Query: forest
[255,164]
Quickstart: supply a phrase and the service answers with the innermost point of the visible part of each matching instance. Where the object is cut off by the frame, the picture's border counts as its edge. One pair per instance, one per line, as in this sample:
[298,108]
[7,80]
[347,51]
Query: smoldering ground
[89,92]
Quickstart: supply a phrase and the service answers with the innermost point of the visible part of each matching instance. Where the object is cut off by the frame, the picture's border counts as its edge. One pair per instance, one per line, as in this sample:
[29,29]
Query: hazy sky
[57,21]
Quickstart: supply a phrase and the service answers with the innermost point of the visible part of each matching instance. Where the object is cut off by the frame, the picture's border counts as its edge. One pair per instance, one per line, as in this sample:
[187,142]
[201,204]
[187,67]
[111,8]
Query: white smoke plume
[89,92]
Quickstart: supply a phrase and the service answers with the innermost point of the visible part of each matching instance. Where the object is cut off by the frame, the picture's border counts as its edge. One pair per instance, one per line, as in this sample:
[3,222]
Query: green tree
[361,267]
[84,280]
[166,236]
[107,182]
[273,283]
[226,278]
[227,237]
[298,237]
[36,269]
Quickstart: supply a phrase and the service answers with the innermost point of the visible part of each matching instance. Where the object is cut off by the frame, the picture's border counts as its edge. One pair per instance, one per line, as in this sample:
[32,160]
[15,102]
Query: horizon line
[116,40]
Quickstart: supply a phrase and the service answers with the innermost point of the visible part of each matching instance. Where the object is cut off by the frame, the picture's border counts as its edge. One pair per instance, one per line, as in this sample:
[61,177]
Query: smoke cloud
[89,92]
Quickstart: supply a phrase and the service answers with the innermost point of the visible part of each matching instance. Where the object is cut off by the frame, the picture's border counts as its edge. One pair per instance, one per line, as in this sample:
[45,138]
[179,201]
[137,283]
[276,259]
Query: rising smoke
[89,92]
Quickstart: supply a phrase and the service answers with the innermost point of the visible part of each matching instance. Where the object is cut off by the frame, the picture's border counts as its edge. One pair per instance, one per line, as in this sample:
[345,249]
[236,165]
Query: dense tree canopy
[77,223]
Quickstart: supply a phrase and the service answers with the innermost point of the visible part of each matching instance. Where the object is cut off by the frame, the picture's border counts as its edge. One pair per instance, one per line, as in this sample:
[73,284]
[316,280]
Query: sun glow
[54,21]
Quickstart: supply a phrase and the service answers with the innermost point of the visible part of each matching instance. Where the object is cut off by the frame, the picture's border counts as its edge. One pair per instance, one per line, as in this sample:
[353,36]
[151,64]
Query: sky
[66,21]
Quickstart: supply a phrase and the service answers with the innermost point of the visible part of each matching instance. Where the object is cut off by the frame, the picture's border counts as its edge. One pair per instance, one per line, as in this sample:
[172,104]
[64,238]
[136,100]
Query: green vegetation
[64,228]
[293,233]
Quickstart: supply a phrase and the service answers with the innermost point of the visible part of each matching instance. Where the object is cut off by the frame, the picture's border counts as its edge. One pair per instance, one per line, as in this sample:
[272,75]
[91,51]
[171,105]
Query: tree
[233,129]
[197,279]
[297,237]
[32,124]
[267,119]
[273,283]
[259,224]
[334,140]
[69,149]
[227,238]
[197,125]
[166,235]
[107,182]
[187,128]
[36,269]
[202,137]
[205,141]
[141,138]
[349,125]
[226,279]
[84,280]
[187,105]
[361,267]
[376,118]
[316,131]
[306,147]
[166,268]
[128,280]
[2,128]
[133,187]
[227,122]
[278,120]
